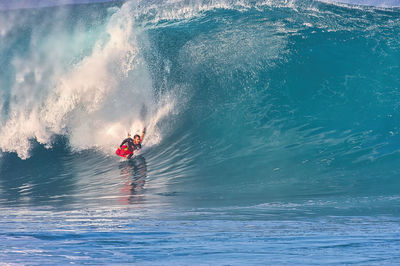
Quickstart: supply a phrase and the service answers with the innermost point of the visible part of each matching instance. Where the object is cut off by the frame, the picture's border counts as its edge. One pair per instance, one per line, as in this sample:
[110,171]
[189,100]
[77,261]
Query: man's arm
[123,142]
[143,132]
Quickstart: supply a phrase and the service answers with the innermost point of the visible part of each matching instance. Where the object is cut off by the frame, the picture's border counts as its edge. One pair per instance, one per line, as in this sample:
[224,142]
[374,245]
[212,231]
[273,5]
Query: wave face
[245,103]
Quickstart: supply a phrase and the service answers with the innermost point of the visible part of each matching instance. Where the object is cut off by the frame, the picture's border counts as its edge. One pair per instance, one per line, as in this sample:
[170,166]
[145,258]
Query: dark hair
[136,136]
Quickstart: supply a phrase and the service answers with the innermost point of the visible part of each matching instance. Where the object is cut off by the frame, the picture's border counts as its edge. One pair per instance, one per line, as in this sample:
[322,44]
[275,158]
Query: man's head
[136,139]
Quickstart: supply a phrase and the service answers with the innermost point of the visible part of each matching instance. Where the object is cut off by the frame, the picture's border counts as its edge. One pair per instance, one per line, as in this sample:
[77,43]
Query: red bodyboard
[123,151]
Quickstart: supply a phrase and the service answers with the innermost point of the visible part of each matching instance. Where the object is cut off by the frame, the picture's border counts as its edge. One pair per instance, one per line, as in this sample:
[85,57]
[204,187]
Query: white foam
[95,103]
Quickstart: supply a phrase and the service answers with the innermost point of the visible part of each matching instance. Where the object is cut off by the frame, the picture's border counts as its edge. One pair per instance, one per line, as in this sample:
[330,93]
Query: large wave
[281,97]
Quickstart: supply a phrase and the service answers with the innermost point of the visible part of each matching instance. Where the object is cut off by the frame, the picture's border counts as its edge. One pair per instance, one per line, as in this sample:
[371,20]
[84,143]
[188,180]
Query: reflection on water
[133,173]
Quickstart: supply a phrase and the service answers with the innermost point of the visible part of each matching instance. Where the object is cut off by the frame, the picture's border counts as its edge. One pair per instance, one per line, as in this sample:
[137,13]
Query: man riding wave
[133,144]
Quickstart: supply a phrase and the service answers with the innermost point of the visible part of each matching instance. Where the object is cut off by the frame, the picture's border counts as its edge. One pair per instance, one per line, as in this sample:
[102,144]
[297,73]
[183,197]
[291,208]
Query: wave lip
[375,3]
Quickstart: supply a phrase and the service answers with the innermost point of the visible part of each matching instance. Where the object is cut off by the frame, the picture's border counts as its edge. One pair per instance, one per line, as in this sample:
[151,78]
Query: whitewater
[272,132]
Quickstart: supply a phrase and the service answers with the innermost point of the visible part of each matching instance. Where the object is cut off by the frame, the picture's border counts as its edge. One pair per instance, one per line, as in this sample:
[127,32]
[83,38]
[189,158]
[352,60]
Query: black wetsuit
[131,146]
[137,146]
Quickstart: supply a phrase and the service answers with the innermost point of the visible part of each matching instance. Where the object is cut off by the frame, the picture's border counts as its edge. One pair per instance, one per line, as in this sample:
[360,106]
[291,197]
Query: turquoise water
[272,133]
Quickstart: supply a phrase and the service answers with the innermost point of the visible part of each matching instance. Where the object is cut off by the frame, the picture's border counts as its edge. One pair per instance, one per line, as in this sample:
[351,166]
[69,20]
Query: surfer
[133,144]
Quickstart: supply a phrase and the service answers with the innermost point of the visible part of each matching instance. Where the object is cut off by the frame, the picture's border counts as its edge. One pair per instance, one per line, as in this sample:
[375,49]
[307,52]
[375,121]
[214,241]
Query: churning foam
[95,103]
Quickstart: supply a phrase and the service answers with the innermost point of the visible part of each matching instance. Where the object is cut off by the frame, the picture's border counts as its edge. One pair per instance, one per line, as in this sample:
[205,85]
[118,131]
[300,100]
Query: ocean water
[273,133]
